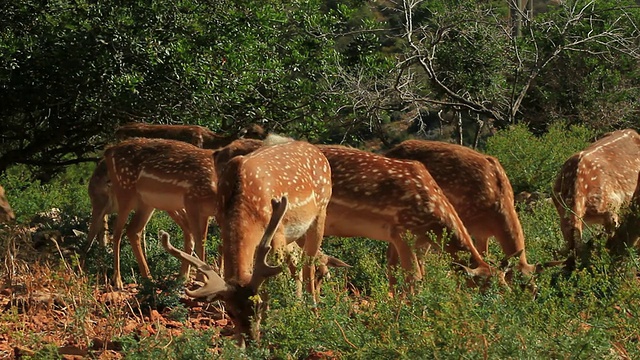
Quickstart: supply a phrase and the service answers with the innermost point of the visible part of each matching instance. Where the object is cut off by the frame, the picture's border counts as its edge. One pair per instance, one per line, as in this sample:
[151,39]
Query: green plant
[532,162]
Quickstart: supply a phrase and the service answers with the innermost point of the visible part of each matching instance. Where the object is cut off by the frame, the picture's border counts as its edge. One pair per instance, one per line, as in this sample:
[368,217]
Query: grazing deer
[246,185]
[192,134]
[479,190]
[6,213]
[239,294]
[384,198]
[149,174]
[100,186]
[594,183]
[247,146]
[627,235]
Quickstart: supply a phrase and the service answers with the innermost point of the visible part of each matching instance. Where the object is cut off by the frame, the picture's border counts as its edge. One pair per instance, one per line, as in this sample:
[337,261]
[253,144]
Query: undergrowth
[590,312]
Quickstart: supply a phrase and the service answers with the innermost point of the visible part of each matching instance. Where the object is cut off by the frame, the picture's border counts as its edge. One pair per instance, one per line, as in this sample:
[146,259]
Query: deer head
[627,235]
[6,213]
[102,204]
[239,298]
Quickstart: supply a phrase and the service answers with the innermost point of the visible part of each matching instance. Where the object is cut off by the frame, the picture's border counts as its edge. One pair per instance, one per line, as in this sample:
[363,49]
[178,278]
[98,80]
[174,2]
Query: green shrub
[67,192]
[532,162]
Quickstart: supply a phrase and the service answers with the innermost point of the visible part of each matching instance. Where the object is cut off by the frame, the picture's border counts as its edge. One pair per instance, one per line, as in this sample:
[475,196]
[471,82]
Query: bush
[532,162]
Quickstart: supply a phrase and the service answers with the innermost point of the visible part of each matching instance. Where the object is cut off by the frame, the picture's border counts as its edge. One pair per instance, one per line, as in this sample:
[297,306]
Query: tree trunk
[478,132]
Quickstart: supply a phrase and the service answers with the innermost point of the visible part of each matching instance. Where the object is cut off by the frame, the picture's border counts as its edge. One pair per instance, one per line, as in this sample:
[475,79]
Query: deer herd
[266,192]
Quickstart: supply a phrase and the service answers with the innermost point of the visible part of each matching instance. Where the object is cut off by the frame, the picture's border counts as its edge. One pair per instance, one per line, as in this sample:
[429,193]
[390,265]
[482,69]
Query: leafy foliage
[532,162]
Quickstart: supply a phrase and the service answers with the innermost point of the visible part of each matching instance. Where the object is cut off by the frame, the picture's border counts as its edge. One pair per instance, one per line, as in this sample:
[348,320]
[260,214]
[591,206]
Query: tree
[70,72]
[462,56]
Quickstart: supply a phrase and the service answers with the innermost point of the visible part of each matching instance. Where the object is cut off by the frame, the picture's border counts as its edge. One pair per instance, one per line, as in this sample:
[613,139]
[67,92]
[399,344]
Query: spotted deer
[246,185]
[193,134]
[247,146]
[478,188]
[594,183]
[239,296]
[149,174]
[6,213]
[100,186]
[383,198]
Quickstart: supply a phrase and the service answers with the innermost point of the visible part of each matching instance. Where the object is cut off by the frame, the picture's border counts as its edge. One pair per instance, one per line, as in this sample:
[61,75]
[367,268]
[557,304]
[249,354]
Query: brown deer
[239,296]
[193,134]
[6,213]
[100,187]
[247,146]
[594,183]
[149,174]
[384,198]
[246,185]
[479,190]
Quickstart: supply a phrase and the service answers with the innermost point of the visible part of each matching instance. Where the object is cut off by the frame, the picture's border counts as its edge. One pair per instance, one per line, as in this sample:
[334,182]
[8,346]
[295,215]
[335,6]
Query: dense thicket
[71,71]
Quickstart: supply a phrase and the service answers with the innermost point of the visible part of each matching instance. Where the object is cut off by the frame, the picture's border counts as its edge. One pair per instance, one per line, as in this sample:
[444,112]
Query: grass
[589,313]
[56,301]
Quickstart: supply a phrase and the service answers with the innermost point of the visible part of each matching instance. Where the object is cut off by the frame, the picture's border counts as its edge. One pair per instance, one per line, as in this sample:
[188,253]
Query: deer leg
[292,256]
[311,249]
[121,220]
[392,262]
[179,218]
[134,232]
[408,261]
[103,234]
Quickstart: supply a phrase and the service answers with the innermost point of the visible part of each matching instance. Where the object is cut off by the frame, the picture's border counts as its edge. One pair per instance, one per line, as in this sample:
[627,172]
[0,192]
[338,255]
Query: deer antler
[262,270]
[214,284]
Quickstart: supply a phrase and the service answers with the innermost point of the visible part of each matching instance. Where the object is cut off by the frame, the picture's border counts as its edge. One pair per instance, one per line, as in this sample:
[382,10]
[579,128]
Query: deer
[193,134]
[148,174]
[383,198]
[239,294]
[6,213]
[479,190]
[295,172]
[595,183]
[246,185]
[99,185]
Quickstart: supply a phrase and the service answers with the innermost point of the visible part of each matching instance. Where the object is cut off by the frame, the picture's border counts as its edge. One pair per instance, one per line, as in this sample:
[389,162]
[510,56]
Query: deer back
[163,172]
[192,134]
[402,191]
